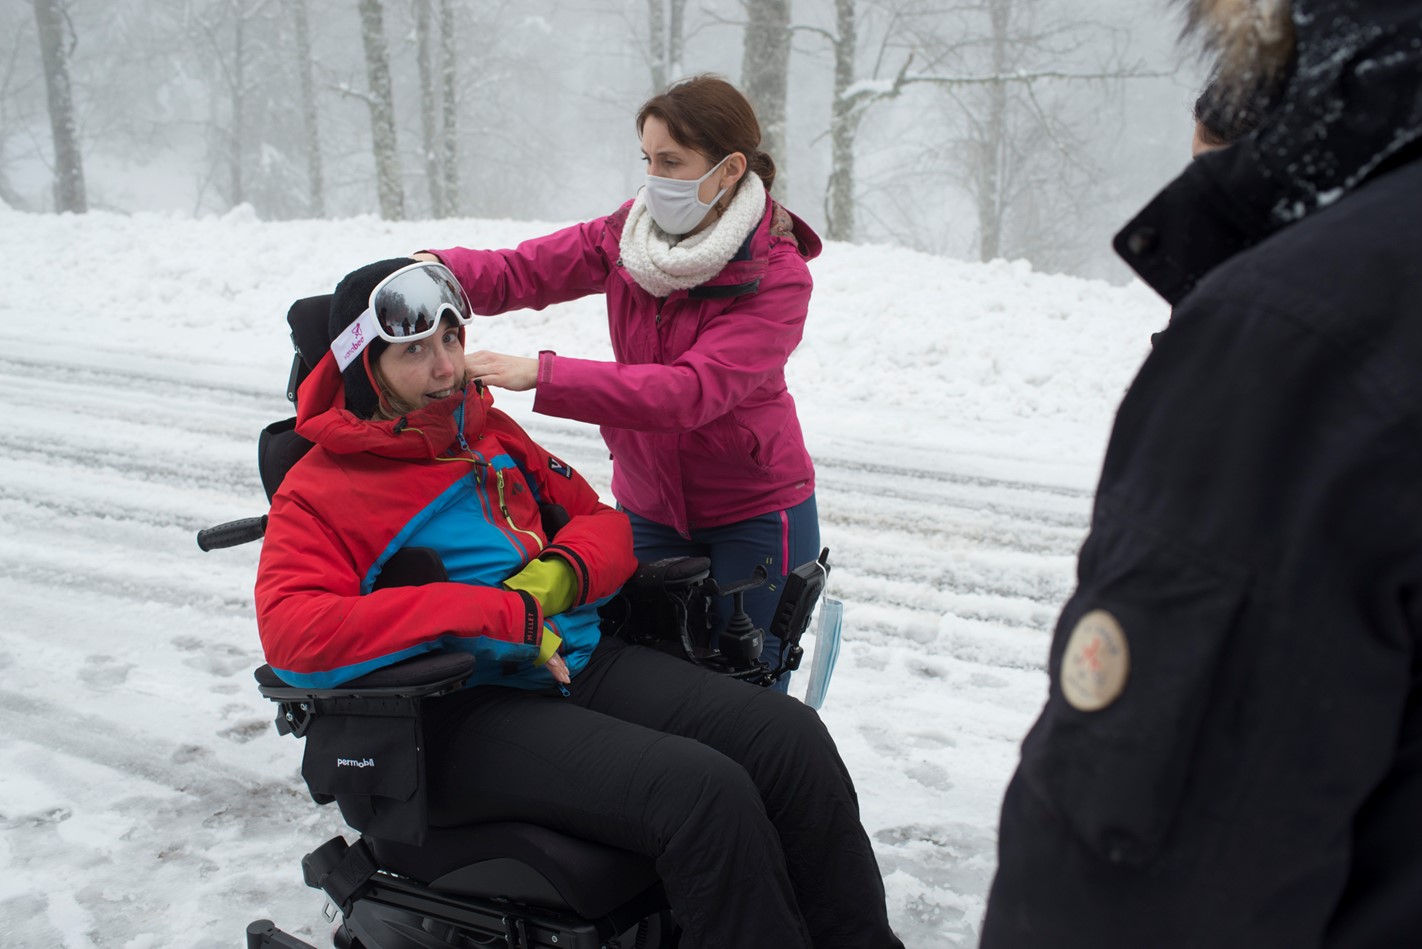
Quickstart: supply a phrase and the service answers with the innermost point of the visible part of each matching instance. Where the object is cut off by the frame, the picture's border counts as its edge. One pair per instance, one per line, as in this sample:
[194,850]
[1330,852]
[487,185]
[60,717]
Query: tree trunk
[839,196]
[992,154]
[666,25]
[382,112]
[68,163]
[657,44]
[676,38]
[449,70]
[429,108]
[316,186]
[236,135]
[765,74]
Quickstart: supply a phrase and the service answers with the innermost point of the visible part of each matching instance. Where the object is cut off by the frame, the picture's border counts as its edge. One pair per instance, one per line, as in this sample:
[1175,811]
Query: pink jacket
[702,429]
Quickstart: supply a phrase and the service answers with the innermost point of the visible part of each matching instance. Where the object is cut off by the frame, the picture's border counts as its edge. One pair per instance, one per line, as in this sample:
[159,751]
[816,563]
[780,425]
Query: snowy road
[137,748]
[145,799]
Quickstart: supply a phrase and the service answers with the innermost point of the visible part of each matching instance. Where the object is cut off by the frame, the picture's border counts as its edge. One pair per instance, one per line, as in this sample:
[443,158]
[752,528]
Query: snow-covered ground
[957,413]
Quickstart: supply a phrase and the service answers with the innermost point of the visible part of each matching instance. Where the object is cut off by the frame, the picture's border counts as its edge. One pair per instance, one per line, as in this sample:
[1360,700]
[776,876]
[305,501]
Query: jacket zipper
[504,509]
[498,479]
[459,427]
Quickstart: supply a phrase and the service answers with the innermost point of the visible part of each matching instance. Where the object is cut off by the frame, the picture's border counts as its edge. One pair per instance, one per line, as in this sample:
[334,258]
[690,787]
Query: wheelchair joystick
[741,642]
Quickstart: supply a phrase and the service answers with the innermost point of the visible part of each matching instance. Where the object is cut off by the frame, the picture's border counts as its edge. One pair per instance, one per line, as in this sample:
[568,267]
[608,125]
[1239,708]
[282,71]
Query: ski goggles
[405,306]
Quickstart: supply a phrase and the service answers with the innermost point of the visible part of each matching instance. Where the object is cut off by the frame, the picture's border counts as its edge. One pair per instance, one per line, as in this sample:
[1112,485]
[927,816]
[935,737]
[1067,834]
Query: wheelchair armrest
[667,575]
[424,676]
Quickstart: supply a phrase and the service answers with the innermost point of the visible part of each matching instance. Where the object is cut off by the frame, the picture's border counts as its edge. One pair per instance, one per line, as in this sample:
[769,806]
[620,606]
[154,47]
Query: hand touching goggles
[405,306]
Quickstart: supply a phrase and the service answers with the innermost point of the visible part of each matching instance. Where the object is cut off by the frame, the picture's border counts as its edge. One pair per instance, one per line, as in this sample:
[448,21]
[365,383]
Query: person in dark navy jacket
[1230,754]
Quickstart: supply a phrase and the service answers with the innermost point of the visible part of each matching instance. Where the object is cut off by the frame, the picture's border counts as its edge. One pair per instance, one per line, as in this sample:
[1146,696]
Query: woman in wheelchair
[737,793]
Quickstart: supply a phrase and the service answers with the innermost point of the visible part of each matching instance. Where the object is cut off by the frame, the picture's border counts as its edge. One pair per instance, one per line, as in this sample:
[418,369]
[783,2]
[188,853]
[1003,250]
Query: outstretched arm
[735,352]
[558,267]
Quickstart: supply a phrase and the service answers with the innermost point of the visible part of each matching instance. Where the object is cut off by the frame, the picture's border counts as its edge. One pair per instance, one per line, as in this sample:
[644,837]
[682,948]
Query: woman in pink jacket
[707,291]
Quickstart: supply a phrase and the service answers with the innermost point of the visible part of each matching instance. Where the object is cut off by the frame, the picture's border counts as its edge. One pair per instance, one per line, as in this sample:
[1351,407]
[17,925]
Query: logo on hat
[356,344]
[347,346]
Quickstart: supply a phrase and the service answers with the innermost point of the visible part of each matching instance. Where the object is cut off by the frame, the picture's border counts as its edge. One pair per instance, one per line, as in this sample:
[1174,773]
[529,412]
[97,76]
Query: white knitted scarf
[661,263]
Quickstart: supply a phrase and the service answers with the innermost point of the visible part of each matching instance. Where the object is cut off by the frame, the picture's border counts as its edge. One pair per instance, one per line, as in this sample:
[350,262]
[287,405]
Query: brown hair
[1226,115]
[708,114]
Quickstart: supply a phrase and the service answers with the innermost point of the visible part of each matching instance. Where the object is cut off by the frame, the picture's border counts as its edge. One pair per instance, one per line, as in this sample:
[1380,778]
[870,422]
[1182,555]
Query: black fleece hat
[351,298]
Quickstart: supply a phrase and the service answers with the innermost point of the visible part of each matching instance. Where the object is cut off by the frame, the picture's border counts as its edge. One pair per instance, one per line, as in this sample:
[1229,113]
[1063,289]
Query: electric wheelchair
[406,885]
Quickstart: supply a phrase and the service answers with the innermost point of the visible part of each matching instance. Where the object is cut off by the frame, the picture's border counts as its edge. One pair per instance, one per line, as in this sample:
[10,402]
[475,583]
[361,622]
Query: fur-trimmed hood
[1348,88]
[1347,106]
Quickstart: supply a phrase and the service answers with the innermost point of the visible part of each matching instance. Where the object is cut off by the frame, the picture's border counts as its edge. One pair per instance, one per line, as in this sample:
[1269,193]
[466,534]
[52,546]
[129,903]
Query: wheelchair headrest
[308,319]
[279,447]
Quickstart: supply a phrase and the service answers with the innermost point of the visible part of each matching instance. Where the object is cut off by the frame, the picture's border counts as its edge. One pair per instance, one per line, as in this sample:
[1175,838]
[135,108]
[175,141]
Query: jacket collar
[321,417]
[1351,110]
[749,263]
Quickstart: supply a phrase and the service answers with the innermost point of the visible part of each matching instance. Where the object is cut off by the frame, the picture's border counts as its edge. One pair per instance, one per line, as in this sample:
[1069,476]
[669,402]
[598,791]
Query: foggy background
[972,129]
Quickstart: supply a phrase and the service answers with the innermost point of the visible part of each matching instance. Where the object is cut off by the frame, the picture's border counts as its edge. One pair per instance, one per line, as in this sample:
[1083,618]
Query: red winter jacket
[458,476]
[702,429]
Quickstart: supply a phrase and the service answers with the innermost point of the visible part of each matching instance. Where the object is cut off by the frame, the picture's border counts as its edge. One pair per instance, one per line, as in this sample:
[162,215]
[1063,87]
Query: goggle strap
[354,338]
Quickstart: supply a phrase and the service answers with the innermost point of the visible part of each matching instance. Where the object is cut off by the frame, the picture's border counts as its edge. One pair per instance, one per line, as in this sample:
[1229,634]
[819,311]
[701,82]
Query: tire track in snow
[99,740]
[134,464]
[152,586]
[115,379]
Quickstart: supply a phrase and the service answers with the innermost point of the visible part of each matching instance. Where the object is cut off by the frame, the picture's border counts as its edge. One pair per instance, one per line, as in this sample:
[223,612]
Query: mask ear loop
[729,193]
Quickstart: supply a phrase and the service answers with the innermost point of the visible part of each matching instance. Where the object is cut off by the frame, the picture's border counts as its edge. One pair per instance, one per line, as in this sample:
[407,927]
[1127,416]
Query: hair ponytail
[762,164]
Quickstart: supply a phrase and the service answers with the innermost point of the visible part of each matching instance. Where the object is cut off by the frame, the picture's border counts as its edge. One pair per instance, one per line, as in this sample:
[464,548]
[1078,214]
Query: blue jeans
[778,541]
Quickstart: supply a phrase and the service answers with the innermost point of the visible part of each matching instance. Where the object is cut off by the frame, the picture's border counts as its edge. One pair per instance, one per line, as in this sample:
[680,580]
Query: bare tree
[1011,144]
[449,126]
[429,106]
[850,103]
[765,74]
[236,35]
[844,122]
[316,200]
[57,41]
[382,112]
[990,154]
[1023,146]
[17,108]
[666,31]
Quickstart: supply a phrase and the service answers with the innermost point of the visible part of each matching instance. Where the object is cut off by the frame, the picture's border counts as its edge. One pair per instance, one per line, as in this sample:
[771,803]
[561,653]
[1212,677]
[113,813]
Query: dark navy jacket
[1253,775]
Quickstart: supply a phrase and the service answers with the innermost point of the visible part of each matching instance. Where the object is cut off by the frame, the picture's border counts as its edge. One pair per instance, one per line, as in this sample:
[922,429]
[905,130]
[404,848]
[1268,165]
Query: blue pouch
[827,634]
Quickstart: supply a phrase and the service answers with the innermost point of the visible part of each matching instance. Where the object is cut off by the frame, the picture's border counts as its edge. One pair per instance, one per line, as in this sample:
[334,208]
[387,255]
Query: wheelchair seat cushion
[522,862]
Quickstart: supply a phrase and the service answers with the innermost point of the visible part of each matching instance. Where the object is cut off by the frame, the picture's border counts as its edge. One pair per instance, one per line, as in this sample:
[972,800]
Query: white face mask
[676,204]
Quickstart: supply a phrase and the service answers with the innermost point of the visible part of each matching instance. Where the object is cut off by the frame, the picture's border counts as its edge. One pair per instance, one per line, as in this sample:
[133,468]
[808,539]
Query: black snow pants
[736,792]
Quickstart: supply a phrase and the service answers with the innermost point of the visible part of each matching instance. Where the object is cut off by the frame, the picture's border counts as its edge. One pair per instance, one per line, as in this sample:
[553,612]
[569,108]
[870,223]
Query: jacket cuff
[550,580]
[545,366]
[531,634]
[581,577]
